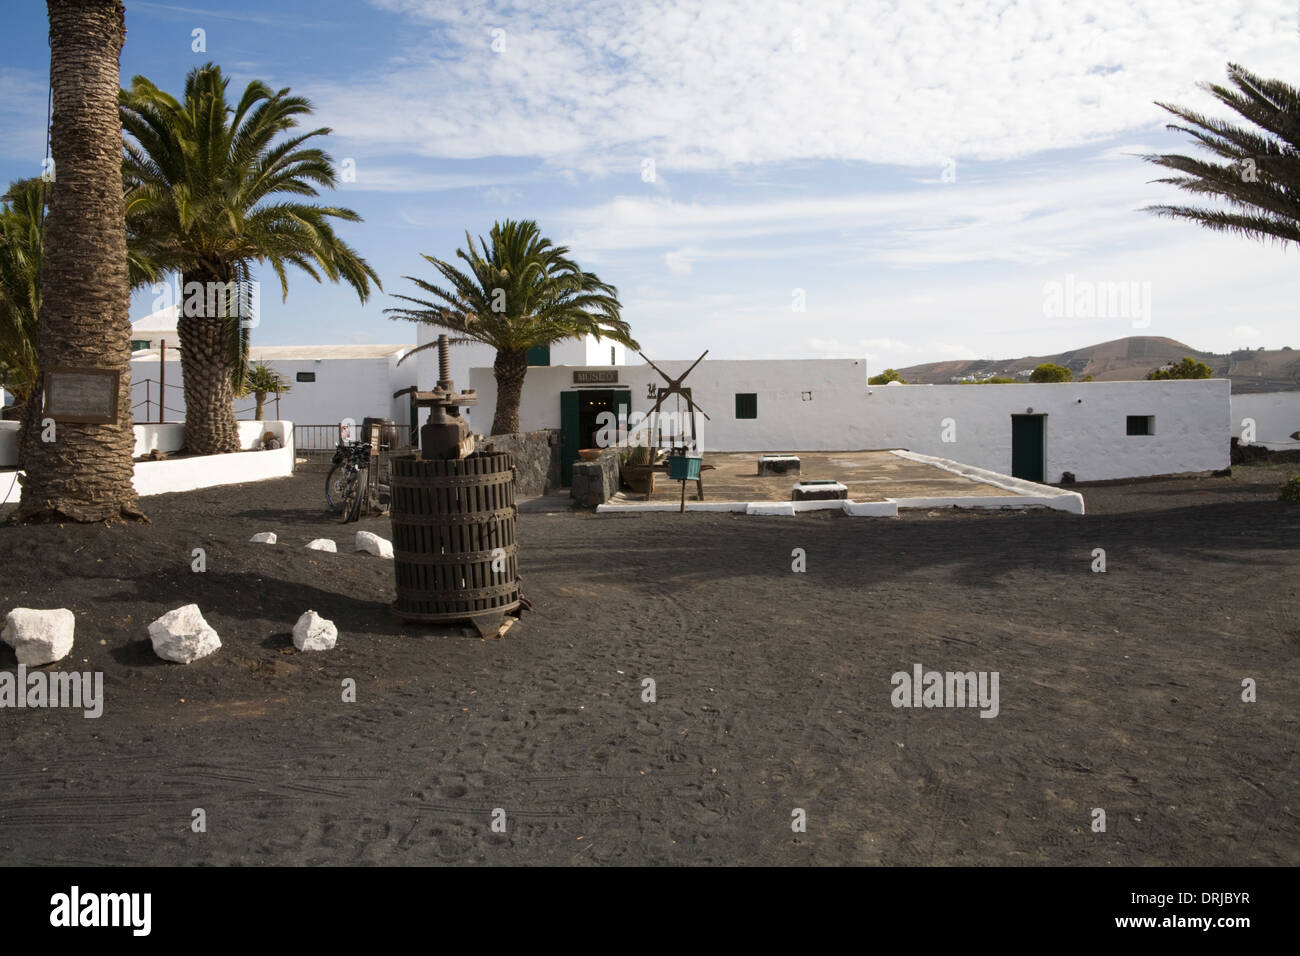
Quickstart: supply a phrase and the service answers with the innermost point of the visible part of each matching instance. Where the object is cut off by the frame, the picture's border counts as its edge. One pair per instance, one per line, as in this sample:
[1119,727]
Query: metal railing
[154,403]
[315,442]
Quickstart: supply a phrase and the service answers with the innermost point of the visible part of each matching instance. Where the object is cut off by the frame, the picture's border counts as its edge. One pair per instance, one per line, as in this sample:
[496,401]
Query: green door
[1027,446]
[571,423]
[569,440]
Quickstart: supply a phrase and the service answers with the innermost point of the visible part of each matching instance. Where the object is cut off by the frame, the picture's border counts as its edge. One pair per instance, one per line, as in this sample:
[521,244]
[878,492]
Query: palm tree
[210,193]
[85,473]
[259,381]
[1260,180]
[521,291]
[22,226]
[21,220]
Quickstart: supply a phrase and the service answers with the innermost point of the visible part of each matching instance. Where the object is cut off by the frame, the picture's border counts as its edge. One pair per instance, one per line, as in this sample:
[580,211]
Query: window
[539,355]
[746,404]
[306,377]
[138,344]
[1141,425]
[612,360]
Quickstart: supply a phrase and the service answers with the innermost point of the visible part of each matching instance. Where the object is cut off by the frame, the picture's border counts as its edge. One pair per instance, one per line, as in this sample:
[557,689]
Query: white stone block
[183,636]
[323,544]
[314,633]
[373,544]
[263,537]
[39,636]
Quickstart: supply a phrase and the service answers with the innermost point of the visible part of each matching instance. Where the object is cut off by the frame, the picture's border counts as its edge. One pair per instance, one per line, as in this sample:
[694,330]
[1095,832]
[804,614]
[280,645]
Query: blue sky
[914,173]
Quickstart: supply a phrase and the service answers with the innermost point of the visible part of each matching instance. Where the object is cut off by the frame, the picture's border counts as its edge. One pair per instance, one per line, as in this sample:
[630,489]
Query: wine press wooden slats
[448,518]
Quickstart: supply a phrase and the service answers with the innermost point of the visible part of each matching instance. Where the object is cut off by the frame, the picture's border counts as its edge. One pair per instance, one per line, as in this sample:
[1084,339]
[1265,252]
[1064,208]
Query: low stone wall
[537,460]
[595,482]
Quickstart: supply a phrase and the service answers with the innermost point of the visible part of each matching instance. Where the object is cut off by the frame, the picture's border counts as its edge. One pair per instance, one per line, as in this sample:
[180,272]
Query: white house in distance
[328,382]
[1092,430]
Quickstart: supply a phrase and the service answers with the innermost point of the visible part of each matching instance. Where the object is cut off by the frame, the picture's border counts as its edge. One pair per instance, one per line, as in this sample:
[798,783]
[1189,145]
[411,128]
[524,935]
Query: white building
[586,351]
[1271,419]
[328,384]
[1094,430]
[154,329]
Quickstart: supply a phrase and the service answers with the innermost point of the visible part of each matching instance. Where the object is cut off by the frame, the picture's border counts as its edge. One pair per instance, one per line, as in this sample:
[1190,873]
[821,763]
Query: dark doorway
[579,421]
[1027,446]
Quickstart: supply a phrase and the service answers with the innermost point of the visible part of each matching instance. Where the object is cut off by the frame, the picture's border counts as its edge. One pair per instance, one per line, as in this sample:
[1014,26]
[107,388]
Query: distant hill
[1129,359]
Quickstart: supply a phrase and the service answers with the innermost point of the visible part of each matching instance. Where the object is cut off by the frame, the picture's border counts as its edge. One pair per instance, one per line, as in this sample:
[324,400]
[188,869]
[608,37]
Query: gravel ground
[1119,691]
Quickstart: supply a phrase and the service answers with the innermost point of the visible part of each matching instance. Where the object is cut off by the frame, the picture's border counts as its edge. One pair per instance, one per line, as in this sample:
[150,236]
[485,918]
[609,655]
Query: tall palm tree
[210,192]
[22,226]
[1260,178]
[521,291]
[21,220]
[85,473]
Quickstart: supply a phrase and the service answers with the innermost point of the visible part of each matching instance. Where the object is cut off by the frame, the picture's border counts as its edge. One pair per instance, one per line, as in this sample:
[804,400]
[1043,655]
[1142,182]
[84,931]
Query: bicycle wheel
[357,494]
[336,487]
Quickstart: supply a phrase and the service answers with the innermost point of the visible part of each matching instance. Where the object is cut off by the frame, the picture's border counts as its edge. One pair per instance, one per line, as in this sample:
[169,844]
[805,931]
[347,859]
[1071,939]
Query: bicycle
[347,486]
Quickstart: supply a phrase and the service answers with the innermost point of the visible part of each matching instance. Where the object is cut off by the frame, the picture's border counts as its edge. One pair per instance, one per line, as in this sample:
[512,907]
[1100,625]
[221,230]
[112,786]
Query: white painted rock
[183,636]
[39,636]
[263,537]
[314,633]
[323,544]
[373,544]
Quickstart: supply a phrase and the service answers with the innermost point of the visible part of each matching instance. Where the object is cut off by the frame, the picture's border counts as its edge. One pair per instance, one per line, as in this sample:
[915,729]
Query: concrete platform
[879,483]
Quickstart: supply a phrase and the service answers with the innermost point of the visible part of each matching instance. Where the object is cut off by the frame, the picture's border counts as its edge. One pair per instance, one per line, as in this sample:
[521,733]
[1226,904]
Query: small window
[140,344]
[538,355]
[1141,425]
[746,404]
[306,376]
[612,360]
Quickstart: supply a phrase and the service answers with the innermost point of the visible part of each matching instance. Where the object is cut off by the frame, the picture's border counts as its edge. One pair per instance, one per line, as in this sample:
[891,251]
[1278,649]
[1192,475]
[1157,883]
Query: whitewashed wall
[1276,416]
[344,388]
[1085,430]
[205,471]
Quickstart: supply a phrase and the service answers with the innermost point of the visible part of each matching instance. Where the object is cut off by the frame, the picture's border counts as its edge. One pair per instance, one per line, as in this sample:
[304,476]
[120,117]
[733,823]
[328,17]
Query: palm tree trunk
[85,474]
[210,427]
[509,370]
[29,431]
[260,412]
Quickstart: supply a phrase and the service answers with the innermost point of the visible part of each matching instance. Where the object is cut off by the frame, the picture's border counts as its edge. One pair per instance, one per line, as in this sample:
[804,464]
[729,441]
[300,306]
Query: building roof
[164,320]
[302,353]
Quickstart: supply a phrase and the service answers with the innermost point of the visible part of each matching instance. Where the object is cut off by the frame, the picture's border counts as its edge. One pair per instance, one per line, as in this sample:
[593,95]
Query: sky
[904,182]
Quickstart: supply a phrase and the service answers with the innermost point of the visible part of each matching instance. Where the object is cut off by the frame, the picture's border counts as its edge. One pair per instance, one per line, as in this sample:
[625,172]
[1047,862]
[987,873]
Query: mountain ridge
[1128,359]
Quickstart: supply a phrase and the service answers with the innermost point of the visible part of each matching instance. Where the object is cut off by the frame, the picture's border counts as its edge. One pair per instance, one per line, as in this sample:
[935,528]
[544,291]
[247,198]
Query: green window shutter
[539,355]
[746,404]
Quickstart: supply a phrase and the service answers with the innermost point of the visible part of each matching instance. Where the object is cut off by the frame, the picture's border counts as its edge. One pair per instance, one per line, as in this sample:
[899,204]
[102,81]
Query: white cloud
[598,85]
[1052,216]
[678,261]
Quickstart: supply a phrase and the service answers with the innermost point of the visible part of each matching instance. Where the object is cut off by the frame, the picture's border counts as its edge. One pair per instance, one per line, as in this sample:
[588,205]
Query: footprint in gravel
[650,730]
[455,791]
